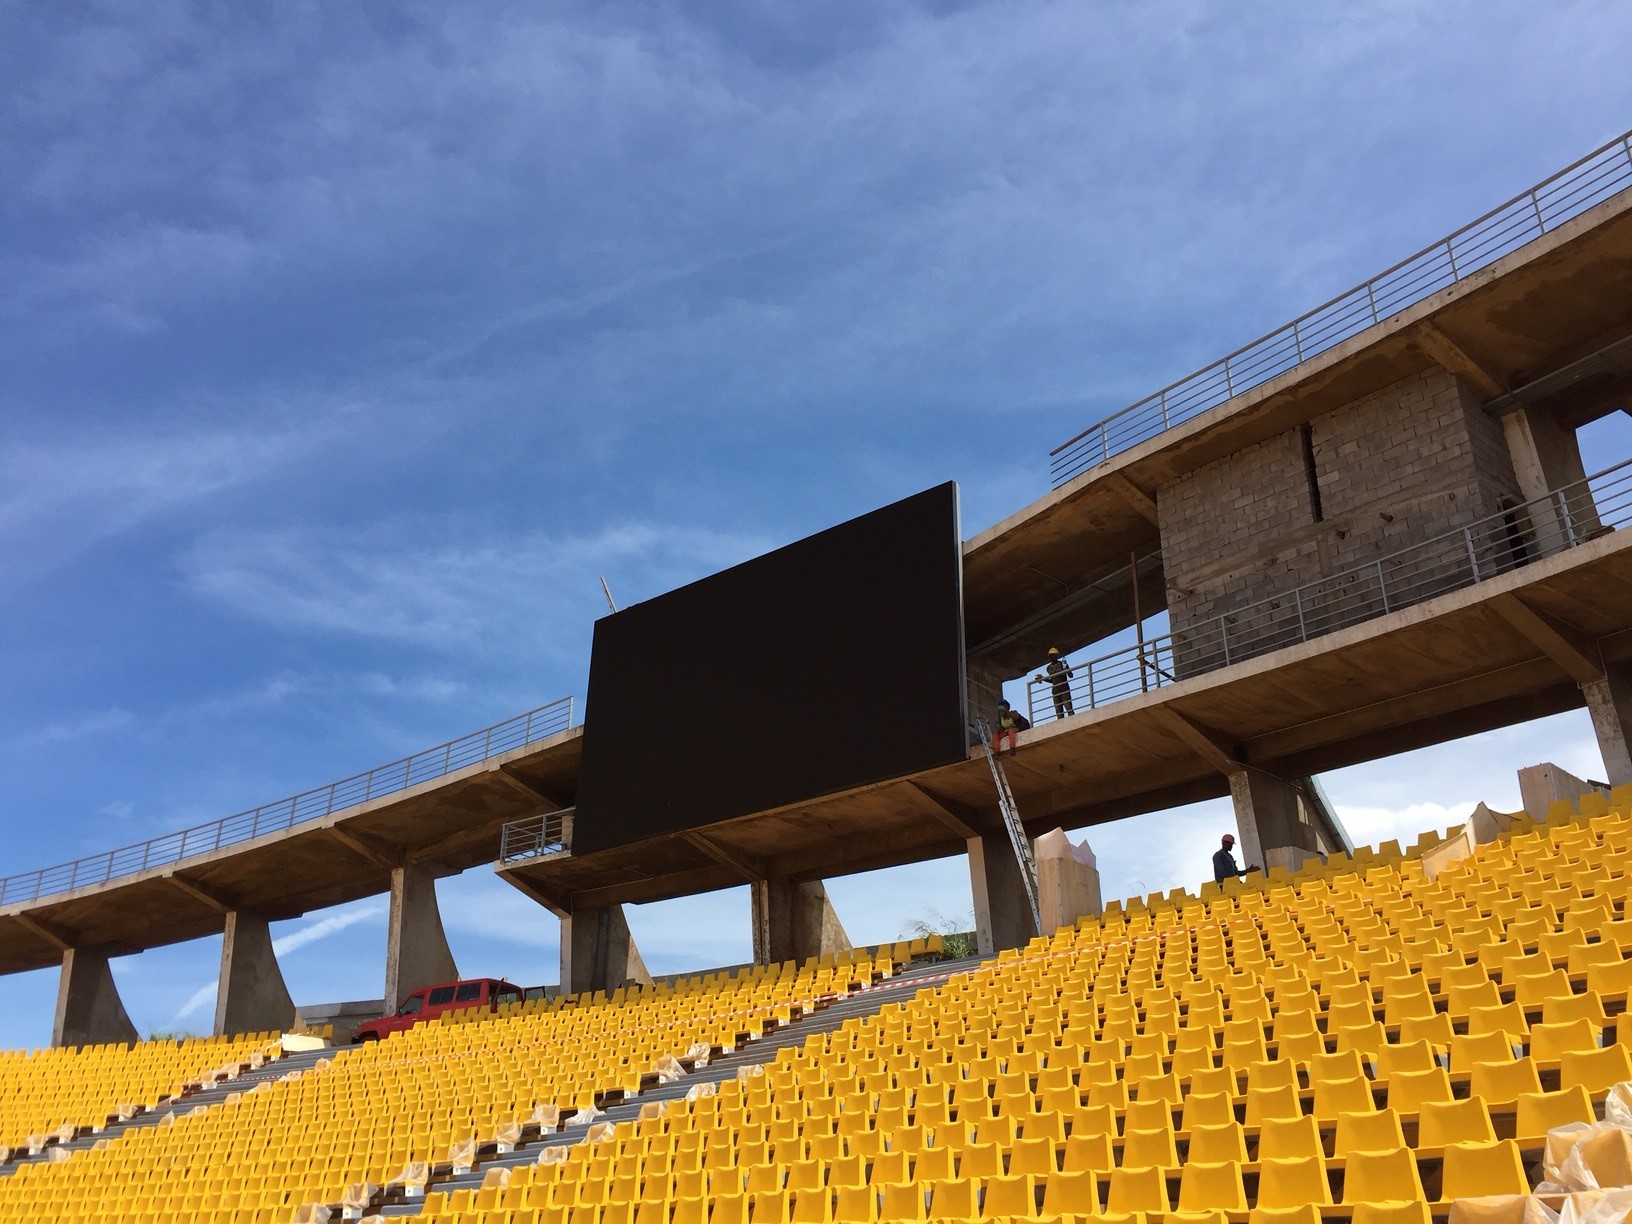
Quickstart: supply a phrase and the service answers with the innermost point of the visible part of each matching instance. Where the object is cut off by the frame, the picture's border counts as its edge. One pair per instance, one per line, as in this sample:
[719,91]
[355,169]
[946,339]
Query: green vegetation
[956,939]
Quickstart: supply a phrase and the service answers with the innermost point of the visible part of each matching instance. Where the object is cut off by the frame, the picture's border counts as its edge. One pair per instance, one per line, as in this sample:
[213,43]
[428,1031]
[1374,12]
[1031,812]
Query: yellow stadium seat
[1136,1190]
[1218,1144]
[1290,1183]
[1597,1071]
[1149,1148]
[1539,1112]
[1211,1187]
[1069,1194]
[1369,1132]
[1289,1139]
[1208,1109]
[1381,1177]
[1441,1123]
[953,1201]
[1014,1197]
[1502,1083]
[1474,1170]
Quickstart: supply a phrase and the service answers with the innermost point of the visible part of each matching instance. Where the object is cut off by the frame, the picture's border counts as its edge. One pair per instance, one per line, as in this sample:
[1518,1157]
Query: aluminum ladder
[1011,821]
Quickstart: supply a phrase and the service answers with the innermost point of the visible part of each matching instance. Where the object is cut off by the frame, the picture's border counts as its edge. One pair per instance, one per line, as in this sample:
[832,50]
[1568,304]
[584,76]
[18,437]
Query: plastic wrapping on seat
[1592,1156]
[358,1195]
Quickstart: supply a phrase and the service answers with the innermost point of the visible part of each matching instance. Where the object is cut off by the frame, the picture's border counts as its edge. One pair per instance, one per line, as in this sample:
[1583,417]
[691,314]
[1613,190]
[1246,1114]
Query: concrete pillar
[251,996]
[1541,786]
[598,952]
[1002,912]
[1067,881]
[1547,456]
[794,921]
[1268,816]
[1609,701]
[89,1009]
[416,949]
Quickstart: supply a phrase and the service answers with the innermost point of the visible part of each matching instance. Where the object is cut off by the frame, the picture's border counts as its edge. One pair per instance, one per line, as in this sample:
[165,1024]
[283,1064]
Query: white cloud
[98,722]
[472,599]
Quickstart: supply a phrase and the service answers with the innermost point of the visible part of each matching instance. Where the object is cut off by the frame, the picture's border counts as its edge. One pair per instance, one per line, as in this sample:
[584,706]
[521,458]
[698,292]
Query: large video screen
[829,664]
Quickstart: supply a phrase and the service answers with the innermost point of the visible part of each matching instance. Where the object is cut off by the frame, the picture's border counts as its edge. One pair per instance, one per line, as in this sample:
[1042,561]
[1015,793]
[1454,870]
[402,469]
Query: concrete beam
[375,851]
[516,782]
[1564,644]
[1213,748]
[1456,359]
[59,939]
[1002,910]
[598,951]
[251,995]
[416,950]
[1136,497]
[201,893]
[89,1009]
[958,817]
[746,865]
[794,921]
[533,892]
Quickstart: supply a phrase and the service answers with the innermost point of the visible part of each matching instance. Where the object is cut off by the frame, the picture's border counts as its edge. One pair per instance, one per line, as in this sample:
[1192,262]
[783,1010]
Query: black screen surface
[828,664]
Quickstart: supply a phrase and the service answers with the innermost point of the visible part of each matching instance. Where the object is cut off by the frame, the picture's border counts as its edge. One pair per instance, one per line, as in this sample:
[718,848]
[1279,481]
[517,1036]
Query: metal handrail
[536,836]
[1603,173]
[425,766]
[1494,545]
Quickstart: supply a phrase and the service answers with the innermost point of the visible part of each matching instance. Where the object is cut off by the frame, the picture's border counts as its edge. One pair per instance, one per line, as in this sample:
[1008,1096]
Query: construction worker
[1224,861]
[1058,676]
[1010,722]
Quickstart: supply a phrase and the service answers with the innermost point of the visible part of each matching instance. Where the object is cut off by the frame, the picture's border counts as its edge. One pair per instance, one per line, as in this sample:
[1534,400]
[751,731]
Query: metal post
[1535,202]
[1303,629]
[1138,618]
[1371,296]
[1165,422]
[1473,557]
[487,744]
[1224,639]
[527,732]
[1569,521]
[330,809]
[107,873]
[1091,703]
[1451,255]
[1297,339]
[1382,585]
[292,803]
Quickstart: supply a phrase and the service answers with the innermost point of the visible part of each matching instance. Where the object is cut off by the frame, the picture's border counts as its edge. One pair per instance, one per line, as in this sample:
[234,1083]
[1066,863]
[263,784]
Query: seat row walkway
[829,1019]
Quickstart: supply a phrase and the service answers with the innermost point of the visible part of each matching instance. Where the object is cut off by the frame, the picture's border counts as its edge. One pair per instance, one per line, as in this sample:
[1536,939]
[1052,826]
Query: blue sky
[342,351]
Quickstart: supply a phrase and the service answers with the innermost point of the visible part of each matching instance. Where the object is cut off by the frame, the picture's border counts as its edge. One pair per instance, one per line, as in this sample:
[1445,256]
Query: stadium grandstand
[1371,530]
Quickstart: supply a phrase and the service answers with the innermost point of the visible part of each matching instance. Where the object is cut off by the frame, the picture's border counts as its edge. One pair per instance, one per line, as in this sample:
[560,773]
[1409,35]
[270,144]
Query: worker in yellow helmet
[1058,675]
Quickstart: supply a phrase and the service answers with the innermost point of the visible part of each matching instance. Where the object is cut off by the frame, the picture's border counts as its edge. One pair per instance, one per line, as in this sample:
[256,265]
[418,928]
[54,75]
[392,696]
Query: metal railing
[1360,592]
[284,814]
[536,836]
[1569,193]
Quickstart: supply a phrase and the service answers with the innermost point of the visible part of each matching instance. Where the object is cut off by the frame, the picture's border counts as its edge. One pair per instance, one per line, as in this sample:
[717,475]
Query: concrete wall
[1397,467]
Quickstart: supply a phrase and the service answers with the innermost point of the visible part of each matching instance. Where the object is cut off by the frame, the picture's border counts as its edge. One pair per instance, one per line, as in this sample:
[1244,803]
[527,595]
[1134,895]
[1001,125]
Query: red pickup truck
[428,1002]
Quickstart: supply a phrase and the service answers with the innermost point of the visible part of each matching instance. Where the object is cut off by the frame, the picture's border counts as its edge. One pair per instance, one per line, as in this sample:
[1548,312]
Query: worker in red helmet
[1224,865]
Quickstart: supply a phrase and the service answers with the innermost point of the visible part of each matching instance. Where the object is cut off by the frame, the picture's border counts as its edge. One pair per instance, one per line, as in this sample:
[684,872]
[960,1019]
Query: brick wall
[1409,462]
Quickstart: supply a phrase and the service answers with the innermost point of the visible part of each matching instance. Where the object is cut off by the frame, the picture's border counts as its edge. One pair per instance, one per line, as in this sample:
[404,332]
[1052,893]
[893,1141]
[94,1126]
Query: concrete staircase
[866,1002]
